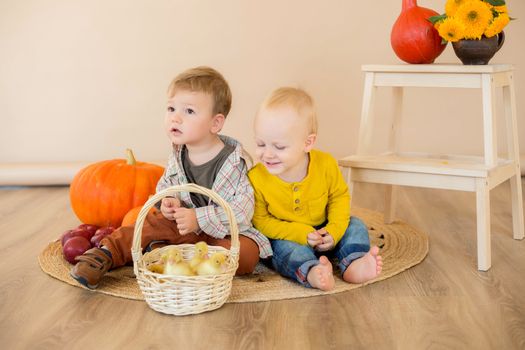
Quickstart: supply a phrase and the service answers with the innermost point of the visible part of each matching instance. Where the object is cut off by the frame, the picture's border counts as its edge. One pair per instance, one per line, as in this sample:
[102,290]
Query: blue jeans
[294,260]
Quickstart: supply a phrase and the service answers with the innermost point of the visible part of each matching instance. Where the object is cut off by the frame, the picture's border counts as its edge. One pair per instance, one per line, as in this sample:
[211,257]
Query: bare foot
[321,276]
[365,268]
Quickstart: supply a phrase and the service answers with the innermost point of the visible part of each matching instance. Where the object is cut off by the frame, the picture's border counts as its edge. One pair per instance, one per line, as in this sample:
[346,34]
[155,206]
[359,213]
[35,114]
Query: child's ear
[217,123]
[310,142]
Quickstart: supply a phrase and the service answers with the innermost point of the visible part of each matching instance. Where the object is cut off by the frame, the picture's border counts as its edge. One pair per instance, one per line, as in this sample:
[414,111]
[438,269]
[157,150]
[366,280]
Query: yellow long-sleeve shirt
[290,211]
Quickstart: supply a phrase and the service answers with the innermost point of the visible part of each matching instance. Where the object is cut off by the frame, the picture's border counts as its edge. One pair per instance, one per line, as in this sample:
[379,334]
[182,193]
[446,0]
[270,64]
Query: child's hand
[327,241]
[186,220]
[168,206]
[314,239]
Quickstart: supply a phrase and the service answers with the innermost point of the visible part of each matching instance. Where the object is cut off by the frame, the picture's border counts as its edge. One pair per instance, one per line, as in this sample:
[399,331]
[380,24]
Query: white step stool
[475,174]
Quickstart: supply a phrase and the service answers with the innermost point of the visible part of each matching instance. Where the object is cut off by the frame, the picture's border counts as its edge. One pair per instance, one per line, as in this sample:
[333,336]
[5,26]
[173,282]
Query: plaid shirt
[232,185]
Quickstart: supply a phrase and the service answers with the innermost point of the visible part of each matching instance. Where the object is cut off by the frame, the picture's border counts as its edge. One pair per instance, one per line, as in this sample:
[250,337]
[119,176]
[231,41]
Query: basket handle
[136,249]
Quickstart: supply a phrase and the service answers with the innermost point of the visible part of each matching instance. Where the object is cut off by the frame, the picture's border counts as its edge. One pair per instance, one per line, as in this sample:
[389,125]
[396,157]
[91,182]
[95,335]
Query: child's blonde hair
[207,80]
[298,99]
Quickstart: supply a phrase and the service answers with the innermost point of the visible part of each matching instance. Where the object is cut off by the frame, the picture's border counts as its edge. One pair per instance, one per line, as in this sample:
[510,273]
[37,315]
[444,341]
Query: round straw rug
[401,245]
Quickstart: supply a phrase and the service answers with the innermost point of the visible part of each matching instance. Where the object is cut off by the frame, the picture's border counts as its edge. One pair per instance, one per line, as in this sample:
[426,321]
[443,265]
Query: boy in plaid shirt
[199,100]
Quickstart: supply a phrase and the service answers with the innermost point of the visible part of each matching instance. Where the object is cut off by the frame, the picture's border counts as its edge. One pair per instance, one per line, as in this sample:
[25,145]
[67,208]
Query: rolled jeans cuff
[302,272]
[343,264]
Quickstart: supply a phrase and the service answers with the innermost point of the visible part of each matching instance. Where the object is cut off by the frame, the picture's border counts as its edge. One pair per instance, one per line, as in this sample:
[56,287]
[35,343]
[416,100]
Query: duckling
[212,266]
[201,254]
[157,268]
[174,264]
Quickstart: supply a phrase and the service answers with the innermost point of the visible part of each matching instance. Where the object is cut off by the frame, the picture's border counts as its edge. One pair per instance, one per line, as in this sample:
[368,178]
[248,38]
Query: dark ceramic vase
[478,52]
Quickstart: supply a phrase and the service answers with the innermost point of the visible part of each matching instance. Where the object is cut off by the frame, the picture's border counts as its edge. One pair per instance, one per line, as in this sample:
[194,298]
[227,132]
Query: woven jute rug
[402,247]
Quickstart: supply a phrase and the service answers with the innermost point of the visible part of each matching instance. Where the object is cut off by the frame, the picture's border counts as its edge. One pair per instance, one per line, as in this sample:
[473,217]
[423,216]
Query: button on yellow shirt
[290,211]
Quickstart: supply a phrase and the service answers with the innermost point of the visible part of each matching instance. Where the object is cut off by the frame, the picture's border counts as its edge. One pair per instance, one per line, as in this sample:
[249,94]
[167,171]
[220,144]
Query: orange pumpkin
[131,216]
[103,193]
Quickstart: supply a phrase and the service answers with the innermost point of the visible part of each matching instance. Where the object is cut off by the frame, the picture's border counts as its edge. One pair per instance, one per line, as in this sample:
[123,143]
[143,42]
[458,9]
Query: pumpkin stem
[130,158]
[408,4]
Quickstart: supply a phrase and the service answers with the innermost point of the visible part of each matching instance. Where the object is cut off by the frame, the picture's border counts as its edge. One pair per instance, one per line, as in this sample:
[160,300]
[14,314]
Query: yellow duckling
[158,268]
[212,266]
[174,264]
[201,254]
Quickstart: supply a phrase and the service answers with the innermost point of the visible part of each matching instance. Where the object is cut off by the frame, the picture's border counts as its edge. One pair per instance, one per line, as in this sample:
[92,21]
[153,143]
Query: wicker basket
[184,295]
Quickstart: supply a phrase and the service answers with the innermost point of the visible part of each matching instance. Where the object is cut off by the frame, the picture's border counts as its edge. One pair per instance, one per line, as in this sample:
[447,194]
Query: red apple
[100,234]
[105,230]
[65,236]
[90,228]
[74,233]
[74,247]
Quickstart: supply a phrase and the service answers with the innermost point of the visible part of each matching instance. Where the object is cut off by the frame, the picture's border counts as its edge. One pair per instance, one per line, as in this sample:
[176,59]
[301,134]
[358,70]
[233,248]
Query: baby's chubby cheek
[259,154]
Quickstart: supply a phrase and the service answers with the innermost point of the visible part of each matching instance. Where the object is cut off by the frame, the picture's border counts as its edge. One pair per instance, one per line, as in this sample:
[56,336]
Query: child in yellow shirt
[301,199]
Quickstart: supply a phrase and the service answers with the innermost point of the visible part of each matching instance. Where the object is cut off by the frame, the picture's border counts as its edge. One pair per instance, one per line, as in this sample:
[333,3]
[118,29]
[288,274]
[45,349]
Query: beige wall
[80,81]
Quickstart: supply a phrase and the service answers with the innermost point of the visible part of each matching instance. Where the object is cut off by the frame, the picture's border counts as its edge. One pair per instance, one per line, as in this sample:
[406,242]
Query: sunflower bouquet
[471,19]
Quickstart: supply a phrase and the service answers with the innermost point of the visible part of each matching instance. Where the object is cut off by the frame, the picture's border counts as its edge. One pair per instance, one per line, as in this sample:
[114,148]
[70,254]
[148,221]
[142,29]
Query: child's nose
[268,153]
[176,117]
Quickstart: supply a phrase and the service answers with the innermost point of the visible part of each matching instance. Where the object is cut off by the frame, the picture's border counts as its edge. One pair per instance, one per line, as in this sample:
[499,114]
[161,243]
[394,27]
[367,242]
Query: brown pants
[158,228]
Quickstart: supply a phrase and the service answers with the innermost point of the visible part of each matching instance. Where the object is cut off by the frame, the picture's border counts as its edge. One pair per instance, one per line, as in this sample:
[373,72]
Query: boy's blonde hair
[207,80]
[298,99]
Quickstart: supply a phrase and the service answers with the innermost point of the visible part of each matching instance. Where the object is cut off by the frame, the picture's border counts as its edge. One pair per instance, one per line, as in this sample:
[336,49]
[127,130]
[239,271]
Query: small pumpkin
[104,192]
[132,215]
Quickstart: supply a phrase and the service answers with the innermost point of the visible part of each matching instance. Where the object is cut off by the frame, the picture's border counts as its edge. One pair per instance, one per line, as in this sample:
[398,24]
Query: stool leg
[393,148]
[397,114]
[390,203]
[489,120]
[513,152]
[517,206]
[347,175]
[367,115]
[483,224]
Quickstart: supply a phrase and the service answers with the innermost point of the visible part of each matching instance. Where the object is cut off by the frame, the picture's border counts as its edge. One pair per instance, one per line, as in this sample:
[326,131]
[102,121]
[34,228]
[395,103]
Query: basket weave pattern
[184,295]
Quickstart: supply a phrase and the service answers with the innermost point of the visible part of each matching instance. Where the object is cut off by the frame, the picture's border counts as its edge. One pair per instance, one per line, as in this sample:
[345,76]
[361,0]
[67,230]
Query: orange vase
[413,38]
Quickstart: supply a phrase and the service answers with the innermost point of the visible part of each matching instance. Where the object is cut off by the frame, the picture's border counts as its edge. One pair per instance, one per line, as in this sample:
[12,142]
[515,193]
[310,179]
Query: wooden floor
[442,303]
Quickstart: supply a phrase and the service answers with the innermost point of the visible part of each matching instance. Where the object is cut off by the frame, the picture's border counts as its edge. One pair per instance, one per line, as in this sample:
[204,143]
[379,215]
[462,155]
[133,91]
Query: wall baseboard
[38,174]
[44,174]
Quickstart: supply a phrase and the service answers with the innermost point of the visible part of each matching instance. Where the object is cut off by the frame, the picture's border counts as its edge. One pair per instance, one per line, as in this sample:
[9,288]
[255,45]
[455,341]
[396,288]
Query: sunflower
[497,25]
[451,29]
[476,16]
[452,6]
[501,9]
